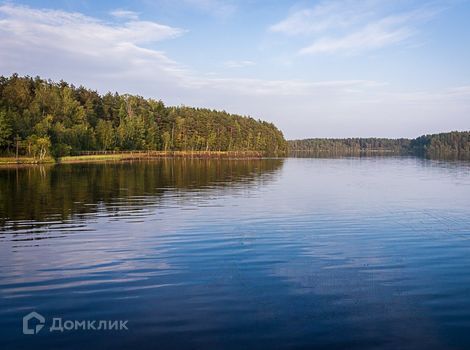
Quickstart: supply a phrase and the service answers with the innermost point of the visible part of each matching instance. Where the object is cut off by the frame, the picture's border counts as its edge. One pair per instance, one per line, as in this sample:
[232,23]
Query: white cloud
[351,26]
[59,43]
[119,13]
[324,16]
[238,64]
[76,27]
[297,88]
[382,33]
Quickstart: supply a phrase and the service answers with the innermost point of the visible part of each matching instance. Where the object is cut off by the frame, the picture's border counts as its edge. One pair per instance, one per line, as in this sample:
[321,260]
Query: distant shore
[92,156]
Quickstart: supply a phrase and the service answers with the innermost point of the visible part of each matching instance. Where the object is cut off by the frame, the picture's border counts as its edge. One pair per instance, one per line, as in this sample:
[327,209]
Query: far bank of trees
[442,145]
[41,118]
[350,145]
[454,144]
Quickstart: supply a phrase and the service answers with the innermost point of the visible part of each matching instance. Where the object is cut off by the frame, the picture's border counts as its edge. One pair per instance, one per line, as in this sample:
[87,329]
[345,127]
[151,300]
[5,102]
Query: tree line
[455,144]
[349,145]
[40,118]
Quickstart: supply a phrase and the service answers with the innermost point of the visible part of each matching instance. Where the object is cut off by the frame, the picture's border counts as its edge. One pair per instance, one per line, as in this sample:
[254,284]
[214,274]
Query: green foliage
[166,140]
[39,146]
[105,135]
[77,119]
[5,129]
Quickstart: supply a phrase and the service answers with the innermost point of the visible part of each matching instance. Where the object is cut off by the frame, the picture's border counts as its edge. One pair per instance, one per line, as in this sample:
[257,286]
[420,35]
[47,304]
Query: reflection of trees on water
[48,193]
[377,153]
[344,154]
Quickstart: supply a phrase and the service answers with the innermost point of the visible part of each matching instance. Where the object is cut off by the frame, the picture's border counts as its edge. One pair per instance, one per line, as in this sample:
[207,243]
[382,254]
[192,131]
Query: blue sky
[315,68]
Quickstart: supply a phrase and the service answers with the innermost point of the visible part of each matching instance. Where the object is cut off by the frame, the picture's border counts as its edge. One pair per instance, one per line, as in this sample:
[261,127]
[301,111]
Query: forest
[455,144]
[41,118]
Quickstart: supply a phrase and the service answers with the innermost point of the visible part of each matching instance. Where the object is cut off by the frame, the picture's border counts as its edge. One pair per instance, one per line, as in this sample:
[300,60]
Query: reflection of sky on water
[374,250]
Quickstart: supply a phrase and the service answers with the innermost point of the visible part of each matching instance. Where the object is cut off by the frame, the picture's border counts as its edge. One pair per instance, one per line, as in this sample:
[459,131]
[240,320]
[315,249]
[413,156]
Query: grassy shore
[94,158]
[25,160]
[121,156]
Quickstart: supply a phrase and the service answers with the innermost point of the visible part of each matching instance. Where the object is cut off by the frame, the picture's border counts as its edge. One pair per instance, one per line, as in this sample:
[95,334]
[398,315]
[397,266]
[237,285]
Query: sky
[337,68]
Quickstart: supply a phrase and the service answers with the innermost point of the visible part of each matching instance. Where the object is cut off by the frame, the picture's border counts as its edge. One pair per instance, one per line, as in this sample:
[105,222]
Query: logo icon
[29,318]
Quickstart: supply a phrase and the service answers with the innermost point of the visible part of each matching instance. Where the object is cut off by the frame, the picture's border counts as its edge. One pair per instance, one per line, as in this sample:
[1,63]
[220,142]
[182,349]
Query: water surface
[216,254]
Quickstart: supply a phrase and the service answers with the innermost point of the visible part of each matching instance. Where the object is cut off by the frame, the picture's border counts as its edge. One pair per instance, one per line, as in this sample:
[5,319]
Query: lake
[356,253]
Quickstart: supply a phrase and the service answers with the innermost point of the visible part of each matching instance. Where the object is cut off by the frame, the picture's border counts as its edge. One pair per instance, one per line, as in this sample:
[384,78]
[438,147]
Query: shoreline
[92,157]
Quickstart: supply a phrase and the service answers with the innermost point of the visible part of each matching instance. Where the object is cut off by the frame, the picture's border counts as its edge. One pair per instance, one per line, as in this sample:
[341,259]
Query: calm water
[206,254]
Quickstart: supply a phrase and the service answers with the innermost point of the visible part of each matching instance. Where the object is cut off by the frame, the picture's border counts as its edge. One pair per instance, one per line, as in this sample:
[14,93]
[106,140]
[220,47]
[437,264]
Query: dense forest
[41,118]
[454,144]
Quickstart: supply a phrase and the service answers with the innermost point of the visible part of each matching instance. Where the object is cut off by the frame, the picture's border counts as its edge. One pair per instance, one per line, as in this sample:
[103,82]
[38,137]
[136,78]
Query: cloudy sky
[385,68]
